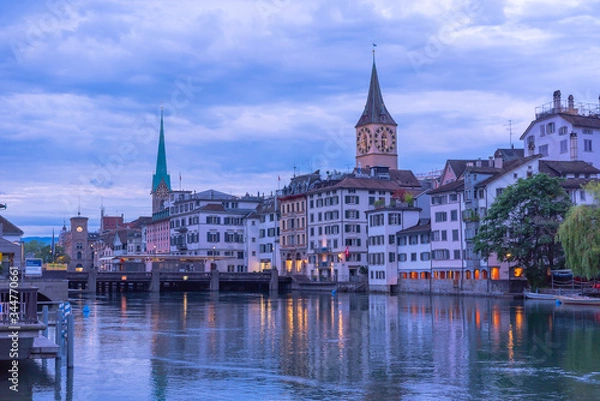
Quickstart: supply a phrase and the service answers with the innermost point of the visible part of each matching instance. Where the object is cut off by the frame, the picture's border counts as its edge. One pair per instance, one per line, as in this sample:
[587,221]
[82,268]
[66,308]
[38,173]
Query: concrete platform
[42,348]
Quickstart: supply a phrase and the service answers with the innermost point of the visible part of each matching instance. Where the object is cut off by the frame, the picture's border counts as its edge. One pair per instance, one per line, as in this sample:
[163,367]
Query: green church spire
[161,160]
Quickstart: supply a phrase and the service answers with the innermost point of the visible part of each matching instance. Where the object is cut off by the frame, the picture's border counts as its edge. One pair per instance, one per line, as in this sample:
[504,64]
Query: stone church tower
[376,143]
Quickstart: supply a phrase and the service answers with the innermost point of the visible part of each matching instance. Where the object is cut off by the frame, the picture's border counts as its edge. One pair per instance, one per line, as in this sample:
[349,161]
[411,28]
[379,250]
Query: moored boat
[540,296]
[579,300]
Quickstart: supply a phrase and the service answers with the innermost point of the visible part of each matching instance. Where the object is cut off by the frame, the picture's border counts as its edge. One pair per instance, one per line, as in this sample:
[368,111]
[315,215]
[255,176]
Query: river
[321,346]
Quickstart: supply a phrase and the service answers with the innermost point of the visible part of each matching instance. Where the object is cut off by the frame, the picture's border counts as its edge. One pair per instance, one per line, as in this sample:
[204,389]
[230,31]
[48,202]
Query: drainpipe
[460,238]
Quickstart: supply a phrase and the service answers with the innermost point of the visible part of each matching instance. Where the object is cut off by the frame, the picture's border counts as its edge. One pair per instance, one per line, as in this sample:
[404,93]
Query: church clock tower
[376,143]
[161,180]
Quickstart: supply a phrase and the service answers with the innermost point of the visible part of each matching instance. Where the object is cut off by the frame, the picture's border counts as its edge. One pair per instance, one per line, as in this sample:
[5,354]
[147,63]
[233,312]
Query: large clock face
[364,139]
[162,191]
[385,139]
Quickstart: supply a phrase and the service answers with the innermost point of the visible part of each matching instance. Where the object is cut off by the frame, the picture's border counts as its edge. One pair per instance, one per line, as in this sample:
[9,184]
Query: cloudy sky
[253,90]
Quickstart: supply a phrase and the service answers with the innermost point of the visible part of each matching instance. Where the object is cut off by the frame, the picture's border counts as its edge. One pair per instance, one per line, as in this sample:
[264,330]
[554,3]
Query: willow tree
[521,225]
[580,236]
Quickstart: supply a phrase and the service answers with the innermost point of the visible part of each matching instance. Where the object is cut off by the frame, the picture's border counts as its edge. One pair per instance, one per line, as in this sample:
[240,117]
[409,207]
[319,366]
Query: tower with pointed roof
[376,143]
[161,180]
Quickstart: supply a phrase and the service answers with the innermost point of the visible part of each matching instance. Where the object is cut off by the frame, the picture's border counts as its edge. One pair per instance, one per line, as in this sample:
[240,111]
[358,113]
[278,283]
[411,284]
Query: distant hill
[44,240]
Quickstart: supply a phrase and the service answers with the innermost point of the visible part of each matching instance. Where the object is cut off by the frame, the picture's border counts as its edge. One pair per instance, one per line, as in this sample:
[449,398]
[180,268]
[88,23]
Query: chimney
[556,101]
[571,103]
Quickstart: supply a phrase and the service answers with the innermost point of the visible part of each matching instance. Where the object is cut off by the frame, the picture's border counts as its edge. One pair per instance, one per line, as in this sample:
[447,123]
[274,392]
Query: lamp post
[214,265]
[508,255]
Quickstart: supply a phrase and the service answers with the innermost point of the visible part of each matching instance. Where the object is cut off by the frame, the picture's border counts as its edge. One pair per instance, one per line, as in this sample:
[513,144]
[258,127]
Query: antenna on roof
[510,133]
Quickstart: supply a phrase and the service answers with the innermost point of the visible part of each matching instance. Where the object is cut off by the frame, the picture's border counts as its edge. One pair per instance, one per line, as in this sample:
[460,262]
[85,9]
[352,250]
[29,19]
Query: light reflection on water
[195,346]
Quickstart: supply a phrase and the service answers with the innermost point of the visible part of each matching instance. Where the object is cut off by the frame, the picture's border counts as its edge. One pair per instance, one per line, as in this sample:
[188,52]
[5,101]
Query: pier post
[58,333]
[214,280]
[155,279]
[274,283]
[45,320]
[70,340]
[91,284]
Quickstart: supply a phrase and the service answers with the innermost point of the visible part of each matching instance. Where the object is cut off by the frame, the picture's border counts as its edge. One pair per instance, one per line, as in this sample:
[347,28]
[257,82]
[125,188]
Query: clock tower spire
[161,180]
[376,130]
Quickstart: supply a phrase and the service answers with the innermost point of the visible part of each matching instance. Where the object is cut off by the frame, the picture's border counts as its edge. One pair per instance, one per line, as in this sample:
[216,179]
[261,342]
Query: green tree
[580,236]
[40,250]
[522,223]
[33,247]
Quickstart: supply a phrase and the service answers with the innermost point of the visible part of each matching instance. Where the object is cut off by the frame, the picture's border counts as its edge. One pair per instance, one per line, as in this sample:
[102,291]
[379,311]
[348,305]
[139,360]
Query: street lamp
[214,265]
[508,255]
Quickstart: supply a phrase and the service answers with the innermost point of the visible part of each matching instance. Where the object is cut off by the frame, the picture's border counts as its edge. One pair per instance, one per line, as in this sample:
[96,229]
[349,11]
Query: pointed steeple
[161,160]
[375,111]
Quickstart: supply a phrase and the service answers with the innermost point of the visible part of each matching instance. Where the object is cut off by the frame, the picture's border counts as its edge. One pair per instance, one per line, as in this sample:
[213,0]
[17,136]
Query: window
[402,240]
[444,235]
[402,257]
[213,220]
[542,130]
[351,200]
[499,191]
[425,256]
[377,220]
[544,150]
[588,131]
[562,131]
[394,219]
[550,128]
[441,216]
[564,146]
[392,239]
[454,235]
[440,254]
[587,145]
[457,254]
[453,215]
[413,257]
[582,195]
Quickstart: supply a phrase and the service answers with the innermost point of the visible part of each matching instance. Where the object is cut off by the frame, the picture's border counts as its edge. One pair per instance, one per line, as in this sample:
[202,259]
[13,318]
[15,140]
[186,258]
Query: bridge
[157,280]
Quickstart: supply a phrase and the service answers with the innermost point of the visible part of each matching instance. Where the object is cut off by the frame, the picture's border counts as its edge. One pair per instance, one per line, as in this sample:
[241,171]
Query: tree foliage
[39,249]
[522,223]
[580,236]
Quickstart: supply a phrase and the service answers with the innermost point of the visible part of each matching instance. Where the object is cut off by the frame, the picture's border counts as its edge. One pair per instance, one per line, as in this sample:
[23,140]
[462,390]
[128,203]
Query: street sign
[33,267]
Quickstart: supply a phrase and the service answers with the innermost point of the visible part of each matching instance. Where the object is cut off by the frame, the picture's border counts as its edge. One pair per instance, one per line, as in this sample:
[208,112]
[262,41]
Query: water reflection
[325,347]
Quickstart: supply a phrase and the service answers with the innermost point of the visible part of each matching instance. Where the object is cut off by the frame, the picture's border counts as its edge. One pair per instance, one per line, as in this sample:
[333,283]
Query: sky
[256,90]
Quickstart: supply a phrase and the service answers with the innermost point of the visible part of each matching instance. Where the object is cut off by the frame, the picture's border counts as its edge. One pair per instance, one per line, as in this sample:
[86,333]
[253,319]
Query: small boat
[540,296]
[579,300]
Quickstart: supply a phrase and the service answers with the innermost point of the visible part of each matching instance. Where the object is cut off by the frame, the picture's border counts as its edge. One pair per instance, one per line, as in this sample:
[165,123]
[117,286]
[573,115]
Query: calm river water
[201,346]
